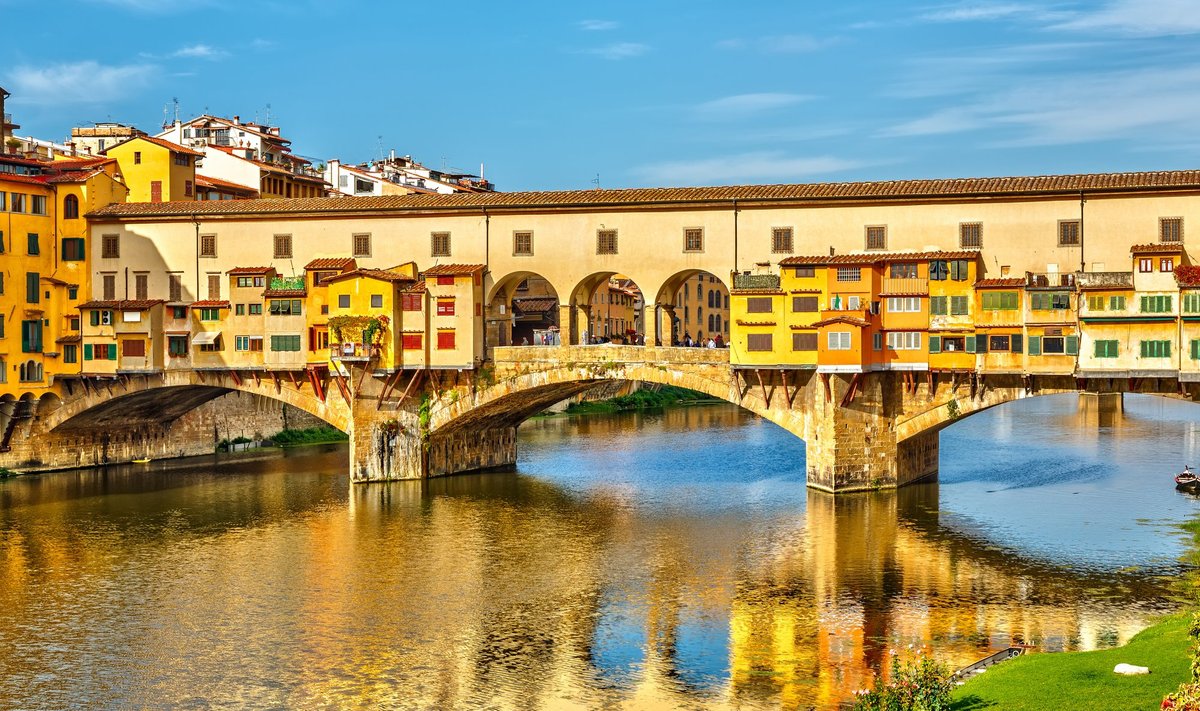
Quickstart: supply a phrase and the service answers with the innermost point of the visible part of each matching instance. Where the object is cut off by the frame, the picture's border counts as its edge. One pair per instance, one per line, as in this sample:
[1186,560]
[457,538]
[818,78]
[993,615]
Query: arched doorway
[693,307]
[609,308]
[523,310]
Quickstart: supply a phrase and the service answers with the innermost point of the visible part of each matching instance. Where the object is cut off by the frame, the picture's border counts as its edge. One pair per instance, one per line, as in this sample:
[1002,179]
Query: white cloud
[757,167]
[976,12]
[779,44]
[618,50]
[939,122]
[86,82]
[199,51]
[598,25]
[1139,18]
[742,105]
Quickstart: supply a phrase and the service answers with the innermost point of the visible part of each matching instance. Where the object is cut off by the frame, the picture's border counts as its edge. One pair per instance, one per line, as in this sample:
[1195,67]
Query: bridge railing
[611,354]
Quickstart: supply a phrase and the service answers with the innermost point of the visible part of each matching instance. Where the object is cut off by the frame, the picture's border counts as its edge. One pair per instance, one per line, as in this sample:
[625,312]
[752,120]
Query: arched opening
[48,403]
[609,308]
[70,208]
[693,308]
[523,310]
[30,372]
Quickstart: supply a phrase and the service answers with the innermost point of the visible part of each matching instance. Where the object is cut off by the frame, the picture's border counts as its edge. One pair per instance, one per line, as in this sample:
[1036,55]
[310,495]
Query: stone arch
[595,315]
[507,323]
[685,302]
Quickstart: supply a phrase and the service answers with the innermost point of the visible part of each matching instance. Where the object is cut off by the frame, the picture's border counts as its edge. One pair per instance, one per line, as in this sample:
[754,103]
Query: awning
[205,338]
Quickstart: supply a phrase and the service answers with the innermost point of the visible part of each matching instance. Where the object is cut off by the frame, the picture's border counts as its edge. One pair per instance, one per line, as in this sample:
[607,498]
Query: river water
[661,560]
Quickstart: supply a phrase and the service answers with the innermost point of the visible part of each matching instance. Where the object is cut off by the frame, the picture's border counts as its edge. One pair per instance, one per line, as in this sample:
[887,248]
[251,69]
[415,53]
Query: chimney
[3,123]
[237,120]
[71,148]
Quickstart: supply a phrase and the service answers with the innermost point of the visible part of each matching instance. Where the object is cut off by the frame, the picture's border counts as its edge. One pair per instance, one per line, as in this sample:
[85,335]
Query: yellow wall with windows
[143,162]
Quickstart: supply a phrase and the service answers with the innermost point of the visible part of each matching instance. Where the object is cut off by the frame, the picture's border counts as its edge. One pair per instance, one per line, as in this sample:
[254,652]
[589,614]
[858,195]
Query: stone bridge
[861,431]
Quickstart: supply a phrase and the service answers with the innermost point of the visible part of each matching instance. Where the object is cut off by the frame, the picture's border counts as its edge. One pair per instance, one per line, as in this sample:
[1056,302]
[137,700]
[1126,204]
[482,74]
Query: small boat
[1187,480]
[143,460]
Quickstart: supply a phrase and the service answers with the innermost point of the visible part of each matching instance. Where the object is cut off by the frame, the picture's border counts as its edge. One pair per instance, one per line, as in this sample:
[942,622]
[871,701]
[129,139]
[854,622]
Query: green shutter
[981,343]
[95,317]
[970,344]
[937,305]
[1195,349]
[87,351]
[1017,342]
[1072,345]
[1008,300]
[1035,345]
[935,344]
[1145,348]
[958,305]
[112,351]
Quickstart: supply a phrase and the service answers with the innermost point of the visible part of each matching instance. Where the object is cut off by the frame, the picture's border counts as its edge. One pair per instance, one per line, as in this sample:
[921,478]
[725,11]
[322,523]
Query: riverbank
[1085,680]
[643,399]
[311,435]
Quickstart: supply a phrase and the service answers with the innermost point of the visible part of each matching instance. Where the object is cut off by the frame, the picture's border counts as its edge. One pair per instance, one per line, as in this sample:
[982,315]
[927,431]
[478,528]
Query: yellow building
[124,336]
[367,309]
[999,337]
[317,303]
[759,331]
[456,315]
[156,170]
[616,309]
[952,277]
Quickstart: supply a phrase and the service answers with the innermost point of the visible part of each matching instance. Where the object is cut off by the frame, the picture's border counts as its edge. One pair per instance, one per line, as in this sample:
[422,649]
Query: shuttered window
[606,242]
[411,302]
[693,239]
[410,342]
[283,247]
[938,305]
[970,235]
[439,244]
[838,340]
[759,305]
[1156,304]
[33,291]
[208,246]
[1109,349]
[958,305]
[804,341]
[214,287]
[803,304]
[876,237]
[445,340]
[1156,349]
[759,342]
[110,246]
[361,245]
[134,348]
[781,240]
[523,243]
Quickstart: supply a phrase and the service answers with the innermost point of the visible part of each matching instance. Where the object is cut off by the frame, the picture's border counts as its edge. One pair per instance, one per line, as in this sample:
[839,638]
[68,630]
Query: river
[655,560]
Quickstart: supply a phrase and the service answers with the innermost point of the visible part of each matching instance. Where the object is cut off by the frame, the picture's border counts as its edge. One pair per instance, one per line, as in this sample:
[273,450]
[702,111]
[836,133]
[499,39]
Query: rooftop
[1045,185]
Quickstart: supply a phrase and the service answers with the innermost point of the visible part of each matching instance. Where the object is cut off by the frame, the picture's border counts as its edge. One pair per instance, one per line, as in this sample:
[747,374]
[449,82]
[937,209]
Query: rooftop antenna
[596,181]
[175,101]
[268,114]
[166,115]
[379,140]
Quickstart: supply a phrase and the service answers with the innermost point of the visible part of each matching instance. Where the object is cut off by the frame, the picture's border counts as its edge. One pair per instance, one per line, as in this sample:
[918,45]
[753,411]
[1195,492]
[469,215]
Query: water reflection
[656,560]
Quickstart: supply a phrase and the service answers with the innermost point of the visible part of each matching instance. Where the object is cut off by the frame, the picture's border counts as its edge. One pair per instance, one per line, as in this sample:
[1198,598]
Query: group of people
[700,342]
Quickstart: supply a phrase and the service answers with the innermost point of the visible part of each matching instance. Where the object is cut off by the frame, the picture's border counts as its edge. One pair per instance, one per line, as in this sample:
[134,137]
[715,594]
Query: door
[156,191]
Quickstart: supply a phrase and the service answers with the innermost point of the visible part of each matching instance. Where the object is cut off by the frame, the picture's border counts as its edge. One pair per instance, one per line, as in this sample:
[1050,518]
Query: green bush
[1187,697]
[311,435]
[918,685]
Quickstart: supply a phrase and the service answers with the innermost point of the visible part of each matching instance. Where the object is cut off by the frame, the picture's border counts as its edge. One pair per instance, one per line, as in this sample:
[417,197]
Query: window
[37,204]
[938,305]
[959,269]
[70,353]
[1054,345]
[31,336]
[999,300]
[285,343]
[1116,303]
[877,341]
[803,304]
[951,344]
[606,242]
[439,244]
[904,340]
[1156,304]
[758,342]
[876,237]
[1191,302]
[214,286]
[1170,229]
[362,245]
[838,340]
[137,157]
[523,244]
[959,305]
[411,342]
[31,372]
[254,309]
[903,270]
[182,159]
[805,272]
[849,273]
[1166,264]
[970,235]
[208,245]
[343,301]
[285,307]
[244,282]
[31,244]
[133,348]
[283,246]
[70,208]
[699,288]
[110,246]
[187,188]
[1195,349]
[239,310]
[109,282]
[1068,233]
[693,239]
[177,346]
[804,341]
[1145,265]
[903,304]
[410,302]
[1050,301]
[445,340]
[2,326]
[210,314]
[73,249]
[1156,348]
[445,281]
[18,202]
[781,240]
[1107,349]
[377,301]
[445,307]
[33,291]
[178,312]
[141,286]
[998,343]
[759,305]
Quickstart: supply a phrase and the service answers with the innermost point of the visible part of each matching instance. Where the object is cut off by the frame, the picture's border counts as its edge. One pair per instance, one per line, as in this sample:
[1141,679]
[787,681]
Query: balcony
[349,351]
[1049,280]
[290,283]
[756,281]
[904,287]
[1105,280]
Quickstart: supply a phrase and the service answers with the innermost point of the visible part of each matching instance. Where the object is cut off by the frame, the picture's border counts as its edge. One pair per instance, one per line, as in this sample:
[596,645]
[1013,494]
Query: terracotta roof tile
[205,181]
[999,283]
[1163,248]
[535,303]
[415,288]
[842,319]
[122,305]
[330,263]
[454,269]
[380,274]
[250,270]
[210,304]
[278,293]
[875,258]
[159,142]
[813,192]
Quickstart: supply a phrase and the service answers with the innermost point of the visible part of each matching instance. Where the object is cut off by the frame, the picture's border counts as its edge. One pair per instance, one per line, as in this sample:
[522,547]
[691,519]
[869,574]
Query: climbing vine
[368,326]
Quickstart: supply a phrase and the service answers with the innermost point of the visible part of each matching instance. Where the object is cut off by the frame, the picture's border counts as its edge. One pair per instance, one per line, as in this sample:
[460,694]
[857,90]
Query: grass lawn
[1085,680]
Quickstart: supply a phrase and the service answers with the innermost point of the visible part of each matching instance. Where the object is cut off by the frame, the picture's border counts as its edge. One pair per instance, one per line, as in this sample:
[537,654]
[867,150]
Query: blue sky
[550,94]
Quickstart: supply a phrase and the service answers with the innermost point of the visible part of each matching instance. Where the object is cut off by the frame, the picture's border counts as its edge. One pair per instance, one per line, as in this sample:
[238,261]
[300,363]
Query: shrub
[1187,696]
[918,685]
